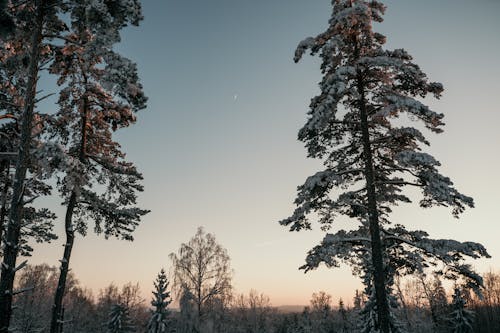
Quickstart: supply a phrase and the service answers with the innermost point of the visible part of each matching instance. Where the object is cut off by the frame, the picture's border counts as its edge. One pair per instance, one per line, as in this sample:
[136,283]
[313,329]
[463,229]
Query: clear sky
[217,144]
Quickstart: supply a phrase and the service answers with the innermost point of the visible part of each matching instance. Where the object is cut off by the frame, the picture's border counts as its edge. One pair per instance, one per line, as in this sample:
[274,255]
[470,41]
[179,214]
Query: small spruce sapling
[160,318]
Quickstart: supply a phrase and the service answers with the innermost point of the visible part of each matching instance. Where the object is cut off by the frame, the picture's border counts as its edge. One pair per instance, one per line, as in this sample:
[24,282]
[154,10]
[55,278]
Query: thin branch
[398,182]
[20,291]
[31,200]
[7,156]
[21,266]
[44,97]
[66,39]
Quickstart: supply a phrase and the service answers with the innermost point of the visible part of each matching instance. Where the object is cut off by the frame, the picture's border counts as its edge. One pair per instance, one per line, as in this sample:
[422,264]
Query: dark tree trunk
[5,191]
[373,218]
[57,308]
[16,207]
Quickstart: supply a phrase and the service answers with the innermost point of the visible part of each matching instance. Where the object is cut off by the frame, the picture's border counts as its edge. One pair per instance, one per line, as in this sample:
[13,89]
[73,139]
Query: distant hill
[290,308]
[281,308]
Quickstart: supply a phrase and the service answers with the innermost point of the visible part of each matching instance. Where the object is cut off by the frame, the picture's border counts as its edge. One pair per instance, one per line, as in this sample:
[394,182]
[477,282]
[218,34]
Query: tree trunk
[16,206]
[373,218]
[61,285]
[5,191]
[57,308]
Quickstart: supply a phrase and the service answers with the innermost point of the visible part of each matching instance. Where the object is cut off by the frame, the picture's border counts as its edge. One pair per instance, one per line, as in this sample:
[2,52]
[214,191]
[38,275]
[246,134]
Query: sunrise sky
[217,144]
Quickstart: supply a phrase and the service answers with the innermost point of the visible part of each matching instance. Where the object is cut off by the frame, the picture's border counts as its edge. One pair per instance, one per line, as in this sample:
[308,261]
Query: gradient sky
[217,144]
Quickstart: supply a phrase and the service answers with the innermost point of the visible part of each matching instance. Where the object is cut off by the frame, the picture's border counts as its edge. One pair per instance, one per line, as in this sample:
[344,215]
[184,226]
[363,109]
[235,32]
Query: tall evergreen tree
[366,153]
[100,93]
[33,19]
[159,322]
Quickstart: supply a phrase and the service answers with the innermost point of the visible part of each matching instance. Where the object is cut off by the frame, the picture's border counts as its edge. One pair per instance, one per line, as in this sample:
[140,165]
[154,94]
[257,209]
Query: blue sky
[217,143]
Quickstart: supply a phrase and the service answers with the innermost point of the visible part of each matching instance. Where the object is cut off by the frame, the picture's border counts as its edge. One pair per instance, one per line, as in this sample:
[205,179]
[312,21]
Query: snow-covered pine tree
[160,318]
[100,93]
[366,153]
[406,252]
[14,52]
[37,223]
[32,20]
[461,318]
[119,320]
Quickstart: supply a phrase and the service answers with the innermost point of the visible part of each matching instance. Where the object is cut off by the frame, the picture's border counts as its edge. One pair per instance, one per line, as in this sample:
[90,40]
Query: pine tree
[461,318]
[34,19]
[119,320]
[160,321]
[406,253]
[36,223]
[373,159]
[100,93]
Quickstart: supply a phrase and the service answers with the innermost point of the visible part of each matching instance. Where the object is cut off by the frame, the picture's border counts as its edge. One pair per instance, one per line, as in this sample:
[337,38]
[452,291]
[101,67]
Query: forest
[426,306]
[368,128]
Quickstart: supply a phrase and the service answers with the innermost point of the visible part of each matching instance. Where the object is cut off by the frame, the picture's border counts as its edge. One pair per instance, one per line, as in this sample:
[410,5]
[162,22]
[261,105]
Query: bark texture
[373,218]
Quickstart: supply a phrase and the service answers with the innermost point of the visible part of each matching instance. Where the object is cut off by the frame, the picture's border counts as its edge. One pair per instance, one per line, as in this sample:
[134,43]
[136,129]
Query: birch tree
[354,126]
[202,271]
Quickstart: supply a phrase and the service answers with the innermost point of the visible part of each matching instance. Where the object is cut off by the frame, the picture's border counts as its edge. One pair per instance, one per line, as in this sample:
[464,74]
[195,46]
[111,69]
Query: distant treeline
[424,306]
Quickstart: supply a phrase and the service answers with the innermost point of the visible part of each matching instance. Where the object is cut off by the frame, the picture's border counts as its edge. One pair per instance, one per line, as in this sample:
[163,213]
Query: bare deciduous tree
[201,268]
